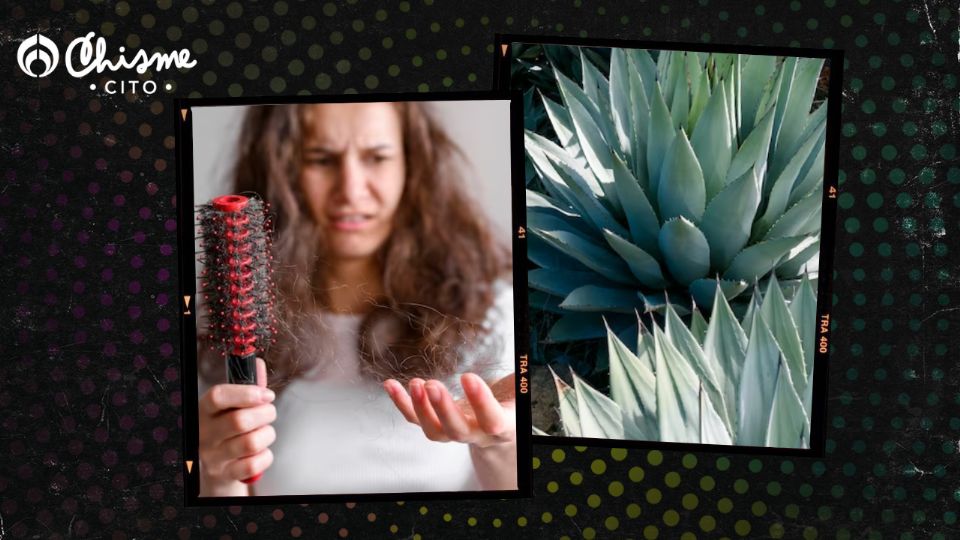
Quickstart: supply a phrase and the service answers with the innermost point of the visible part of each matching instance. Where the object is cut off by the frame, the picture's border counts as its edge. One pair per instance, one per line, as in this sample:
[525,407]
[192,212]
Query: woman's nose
[353,178]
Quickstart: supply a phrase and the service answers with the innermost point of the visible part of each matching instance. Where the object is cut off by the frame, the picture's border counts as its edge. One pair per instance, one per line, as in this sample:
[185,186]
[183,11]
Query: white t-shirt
[338,432]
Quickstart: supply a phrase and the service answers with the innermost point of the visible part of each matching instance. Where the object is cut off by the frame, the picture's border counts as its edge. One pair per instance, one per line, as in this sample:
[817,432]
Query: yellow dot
[688,536]
[423,510]
[707,483]
[618,454]
[593,500]
[417,537]
[742,527]
[447,517]
[650,532]
[558,455]
[615,488]
[725,505]
[671,479]
[570,510]
[536,462]
[552,487]
[522,521]
[598,466]
[589,533]
[547,517]
[654,496]
[611,523]
[497,522]
[471,521]
[576,478]
[635,474]
[689,501]
[655,457]
[633,510]
[394,528]
[671,518]
[777,530]
[708,523]
[580,449]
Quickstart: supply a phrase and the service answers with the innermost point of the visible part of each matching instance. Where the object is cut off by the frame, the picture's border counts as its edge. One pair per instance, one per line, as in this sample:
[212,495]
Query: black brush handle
[242,369]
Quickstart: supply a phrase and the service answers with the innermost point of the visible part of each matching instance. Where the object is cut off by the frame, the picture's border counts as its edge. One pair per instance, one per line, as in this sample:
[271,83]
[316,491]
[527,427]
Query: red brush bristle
[236,281]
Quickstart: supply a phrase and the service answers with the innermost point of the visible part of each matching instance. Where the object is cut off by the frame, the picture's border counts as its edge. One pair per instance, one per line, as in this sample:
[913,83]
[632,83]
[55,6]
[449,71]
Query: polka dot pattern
[88,225]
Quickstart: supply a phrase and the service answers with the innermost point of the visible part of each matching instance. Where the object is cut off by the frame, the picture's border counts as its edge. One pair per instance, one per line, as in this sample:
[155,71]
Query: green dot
[251,71]
[472,521]
[723,463]
[243,40]
[689,501]
[655,457]
[774,488]
[295,67]
[635,474]
[308,22]
[633,510]
[343,66]
[593,500]
[329,9]
[725,505]
[371,82]
[552,487]
[323,81]
[417,61]
[447,517]
[261,24]
[315,52]
[598,466]
[546,517]
[671,479]
[576,478]
[209,78]
[268,53]
[708,523]
[653,496]
[615,488]
[410,33]
[707,483]
[570,510]
[393,70]
[671,518]
[689,461]
[558,455]
[364,53]
[336,37]
[742,527]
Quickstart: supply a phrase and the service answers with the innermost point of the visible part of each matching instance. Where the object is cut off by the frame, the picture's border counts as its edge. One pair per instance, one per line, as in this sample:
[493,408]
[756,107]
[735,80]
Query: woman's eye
[321,161]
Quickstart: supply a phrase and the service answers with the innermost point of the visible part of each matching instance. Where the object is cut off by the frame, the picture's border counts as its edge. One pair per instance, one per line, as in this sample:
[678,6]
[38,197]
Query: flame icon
[38,48]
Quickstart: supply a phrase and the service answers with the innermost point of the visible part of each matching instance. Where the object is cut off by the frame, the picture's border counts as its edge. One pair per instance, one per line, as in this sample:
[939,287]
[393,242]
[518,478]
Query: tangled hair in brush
[439,263]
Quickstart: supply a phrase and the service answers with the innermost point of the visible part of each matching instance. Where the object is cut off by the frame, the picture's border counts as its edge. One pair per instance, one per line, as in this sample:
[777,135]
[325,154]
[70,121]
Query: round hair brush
[236,283]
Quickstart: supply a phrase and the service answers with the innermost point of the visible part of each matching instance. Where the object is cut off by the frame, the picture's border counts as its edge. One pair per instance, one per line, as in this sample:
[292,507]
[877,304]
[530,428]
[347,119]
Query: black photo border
[831,191]
[183,119]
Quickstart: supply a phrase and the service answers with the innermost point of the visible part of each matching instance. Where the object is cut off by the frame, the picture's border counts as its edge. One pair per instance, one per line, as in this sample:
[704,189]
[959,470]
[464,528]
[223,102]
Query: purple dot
[134,287]
[78,312]
[53,249]
[11,175]
[101,164]
[109,458]
[113,224]
[145,469]
[135,446]
[139,237]
[56,224]
[110,249]
[81,337]
[136,337]
[75,447]
[152,189]
[42,164]
[133,312]
[51,274]
[84,470]
[171,225]
[93,188]
[166,249]
[30,212]
[106,299]
[126,177]
[163,274]
[126,423]
[162,299]
[144,386]
[139,362]
[163,325]
[160,434]
[166,350]
[93,411]
[68,176]
[171,374]
[62,199]
[156,493]
[145,213]
[106,515]
[83,236]
[106,324]
[101,435]
[119,200]
[79,261]
[87,387]
[151,410]
[175,398]
[110,349]
[136,261]
[106,274]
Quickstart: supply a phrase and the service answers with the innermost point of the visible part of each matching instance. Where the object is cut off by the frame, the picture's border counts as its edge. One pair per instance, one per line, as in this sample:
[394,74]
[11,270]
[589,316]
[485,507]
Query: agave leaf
[590,254]
[688,346]
[807,399]
[545,218]
[757,260]
[645,349]
[787,70]
[783,185]
[562,125]
[563,283]
[640,112]
[633,388]
[551,179]
[678,399]
[753,306]
[794,266]
[728,219]
[698,325]
[569,412]
[757,71]
[548,256]
[700,94]
[644,266]
[544,302]
[804,311]
[603,299]
[712,143]
[730,83]
[811,180]
[621,103]
[680,97]
[571,92]
[646,69]
[681,190]
[768,98]
[576,327]
[753,151]
[712,428]
[725,348]
[641,218]
[796,109]
[596,150]
[665,74]
[758,384]
[657,303]
[685,250]
[660,136]
[787,419]
[600,416]
[703,290]
[597,88]
[797,220]
[776,314]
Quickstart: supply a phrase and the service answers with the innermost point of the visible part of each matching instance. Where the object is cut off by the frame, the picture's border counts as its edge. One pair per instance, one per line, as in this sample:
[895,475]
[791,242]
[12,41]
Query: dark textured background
[90,440]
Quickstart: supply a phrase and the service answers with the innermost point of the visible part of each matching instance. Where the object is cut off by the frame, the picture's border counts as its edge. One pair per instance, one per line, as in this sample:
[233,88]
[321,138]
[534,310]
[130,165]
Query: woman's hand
[486,417]
[486,420]
[235,434]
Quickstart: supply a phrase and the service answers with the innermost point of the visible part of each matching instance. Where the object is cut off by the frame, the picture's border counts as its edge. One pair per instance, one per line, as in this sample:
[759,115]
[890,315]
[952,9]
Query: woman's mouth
[351,222]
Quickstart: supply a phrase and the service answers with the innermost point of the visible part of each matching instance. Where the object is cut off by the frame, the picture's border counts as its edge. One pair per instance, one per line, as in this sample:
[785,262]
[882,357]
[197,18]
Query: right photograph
[680,219]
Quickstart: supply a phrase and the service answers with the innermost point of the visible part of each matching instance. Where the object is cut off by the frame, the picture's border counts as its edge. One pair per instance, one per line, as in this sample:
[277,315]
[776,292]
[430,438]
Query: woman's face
[353,174]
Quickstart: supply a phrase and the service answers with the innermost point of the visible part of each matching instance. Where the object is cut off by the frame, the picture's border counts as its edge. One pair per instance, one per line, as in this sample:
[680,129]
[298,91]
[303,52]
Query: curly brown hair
[439,264]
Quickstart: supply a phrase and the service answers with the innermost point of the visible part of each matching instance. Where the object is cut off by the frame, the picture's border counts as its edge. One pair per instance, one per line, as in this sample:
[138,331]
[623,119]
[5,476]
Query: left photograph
[352,317]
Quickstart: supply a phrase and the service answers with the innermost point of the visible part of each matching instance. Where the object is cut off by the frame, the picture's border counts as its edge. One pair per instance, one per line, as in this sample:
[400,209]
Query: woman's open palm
[485,417]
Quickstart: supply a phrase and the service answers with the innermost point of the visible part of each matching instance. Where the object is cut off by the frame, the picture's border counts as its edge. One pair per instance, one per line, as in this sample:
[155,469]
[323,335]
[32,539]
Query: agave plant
[668,175]
[723,382]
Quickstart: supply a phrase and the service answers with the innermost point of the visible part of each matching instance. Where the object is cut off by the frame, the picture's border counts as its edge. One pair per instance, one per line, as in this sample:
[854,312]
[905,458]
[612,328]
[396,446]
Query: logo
[88,54]
[35,49]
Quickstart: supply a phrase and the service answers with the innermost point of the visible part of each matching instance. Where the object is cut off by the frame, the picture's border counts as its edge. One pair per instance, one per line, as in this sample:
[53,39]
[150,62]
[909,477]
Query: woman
[393,369]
